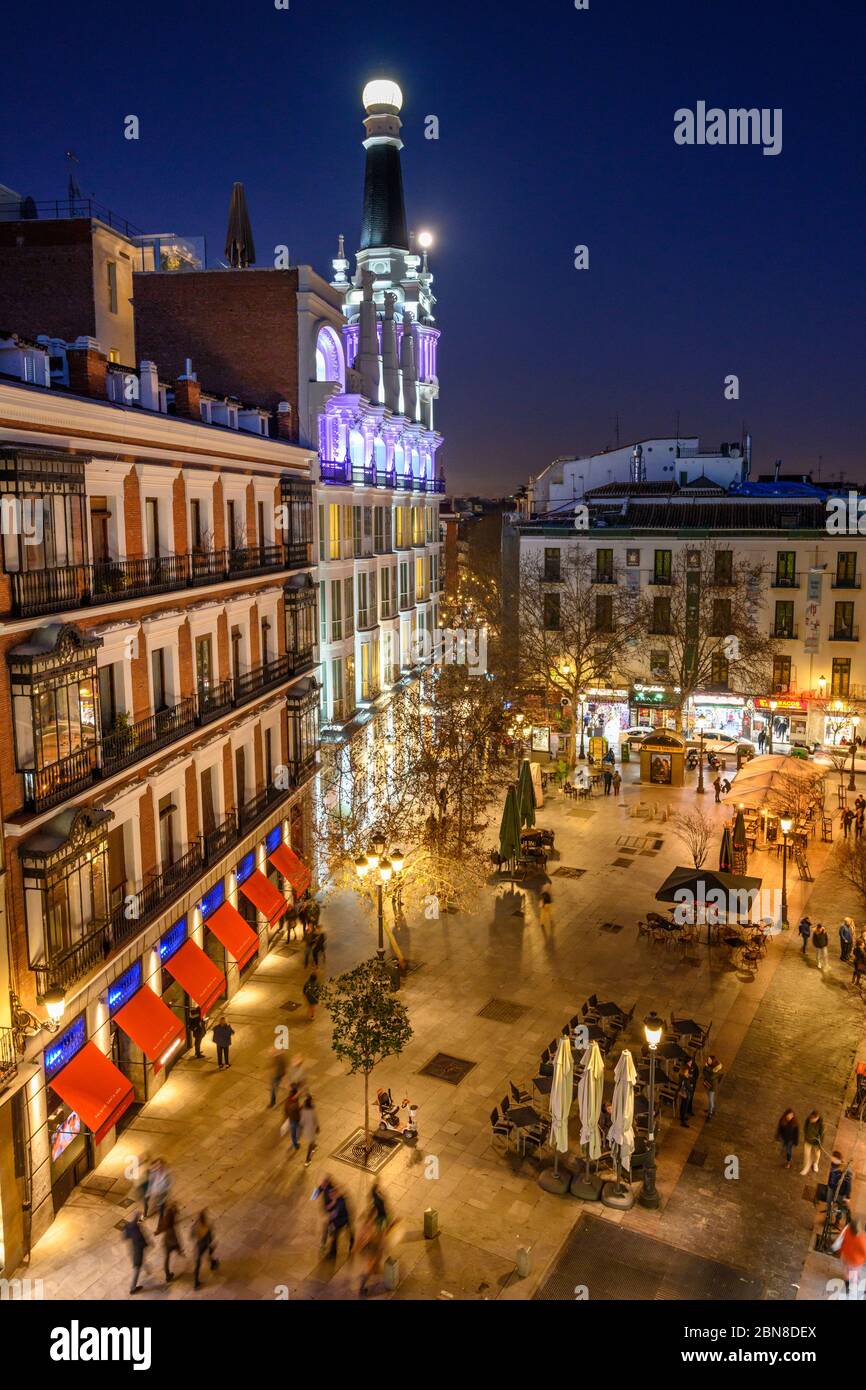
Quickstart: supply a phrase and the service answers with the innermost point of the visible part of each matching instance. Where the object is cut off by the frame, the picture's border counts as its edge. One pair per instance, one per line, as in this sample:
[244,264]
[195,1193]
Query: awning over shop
[235,934]
[286,862]
[93,1087]
[264,895]
[196,973]
[151,1025]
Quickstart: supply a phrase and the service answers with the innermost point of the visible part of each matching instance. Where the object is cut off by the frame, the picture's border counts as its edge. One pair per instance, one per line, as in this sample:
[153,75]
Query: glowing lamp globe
[55,1003]
[425,240]
[653,1029]
[382,92]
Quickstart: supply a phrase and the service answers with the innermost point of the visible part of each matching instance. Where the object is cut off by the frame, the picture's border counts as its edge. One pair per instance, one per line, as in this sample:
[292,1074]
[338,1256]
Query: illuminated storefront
[654,706]
[789,715]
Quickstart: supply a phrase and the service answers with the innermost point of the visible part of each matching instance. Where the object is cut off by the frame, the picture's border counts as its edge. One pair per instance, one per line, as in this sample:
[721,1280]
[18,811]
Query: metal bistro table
[524,1117]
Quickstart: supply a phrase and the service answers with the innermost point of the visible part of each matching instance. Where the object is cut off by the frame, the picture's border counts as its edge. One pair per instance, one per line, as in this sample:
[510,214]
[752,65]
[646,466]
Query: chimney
[87,368]
[285,429]
[187,394]
[148,385]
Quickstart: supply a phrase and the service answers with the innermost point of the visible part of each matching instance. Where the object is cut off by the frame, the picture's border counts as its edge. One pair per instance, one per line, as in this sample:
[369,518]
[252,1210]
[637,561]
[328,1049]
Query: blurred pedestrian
[311,993]
[158,1187]
[222,1036]
[858,824]
[139,1240]
[205,1244]
[142,1181]
[788,1134]
[320,942]
[296,1072]
[717,786]
[617,782]
[851,1248]
[167,1228]
[813,1139]
[683,1094]
[339,1219]
[309,1128]
[839,1184]
[711,1075]
[197,1029]
[846,938]
[545,909]
[608,781]
[805,930]
[820,940]
[292,1112]
[278,1071]
[690,1072]
[847,821]
[859,959]
[309,941]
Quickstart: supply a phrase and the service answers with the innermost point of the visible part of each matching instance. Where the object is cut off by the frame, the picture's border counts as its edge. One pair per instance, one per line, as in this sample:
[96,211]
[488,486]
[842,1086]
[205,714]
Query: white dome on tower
[382,92]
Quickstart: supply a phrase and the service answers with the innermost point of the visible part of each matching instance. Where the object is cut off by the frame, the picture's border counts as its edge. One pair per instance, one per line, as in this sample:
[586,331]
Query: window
[662,567]
[362,601]
[840,683]
[337,689]
[204,671]
[846,569]
[323,612]
[234,538]
[157,667]
[365,671]
[261,538]
[321,530]
[48,488]
[195,526]
[551,612]
[235,639]
[299,597]
[604,566]
[241,776]
[350,684]
[721,621]
[399,527]
[552,564]
[417,526]
[719,671]
[404,584]
[151,526]
[660,664]
[371,584]
[378,530]
[169,842]
[333,531]
[781,673]
[100,517]
[109,685]
[356,531]
[112,287]
[386,593]
[349,591]
[723,567]
[66,889]
[208,801]
[55,709]
[783,625]
[336,610]
[420,586]
[265,642]
[604,612]
[843,620]
[661,615]
[786,569]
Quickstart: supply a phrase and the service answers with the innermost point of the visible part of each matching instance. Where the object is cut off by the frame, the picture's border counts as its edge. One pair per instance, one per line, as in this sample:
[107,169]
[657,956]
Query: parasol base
[587,1189]
[611,1197]
[557,1183]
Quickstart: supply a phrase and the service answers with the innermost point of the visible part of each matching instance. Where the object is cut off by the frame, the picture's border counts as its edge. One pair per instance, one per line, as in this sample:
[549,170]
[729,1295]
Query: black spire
[384,221]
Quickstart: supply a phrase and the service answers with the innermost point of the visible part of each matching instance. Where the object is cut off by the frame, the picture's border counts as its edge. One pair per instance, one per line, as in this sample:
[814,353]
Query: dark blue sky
[556,128]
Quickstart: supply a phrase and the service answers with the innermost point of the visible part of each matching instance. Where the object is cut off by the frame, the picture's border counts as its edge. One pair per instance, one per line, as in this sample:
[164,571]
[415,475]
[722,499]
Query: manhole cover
[290,1005]
[444,1067]
[120,1225]
[126,1202]
[563,872]
[622,863]
[353,1151]
[502,1011]
[98,1185]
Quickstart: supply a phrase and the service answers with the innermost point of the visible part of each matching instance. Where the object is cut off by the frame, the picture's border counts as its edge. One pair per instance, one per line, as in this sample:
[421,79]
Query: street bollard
[391,1273]
[523,1260]
[431,1223]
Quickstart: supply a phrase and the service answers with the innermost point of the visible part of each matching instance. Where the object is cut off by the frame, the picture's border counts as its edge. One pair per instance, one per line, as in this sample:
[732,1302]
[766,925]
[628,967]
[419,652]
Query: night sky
[556,128]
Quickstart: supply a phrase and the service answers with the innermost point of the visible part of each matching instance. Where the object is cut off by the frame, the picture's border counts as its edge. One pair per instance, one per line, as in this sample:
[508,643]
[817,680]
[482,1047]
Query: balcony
[8,1057]
[608,577]
[69,965]
[342,473]
[785,581]
[251,683]
[221,838]
[844,634]
[67,587]
[160,889]
[214,700]
[788,632]
[845,581]
[126,745]
[48,786]
[665,579]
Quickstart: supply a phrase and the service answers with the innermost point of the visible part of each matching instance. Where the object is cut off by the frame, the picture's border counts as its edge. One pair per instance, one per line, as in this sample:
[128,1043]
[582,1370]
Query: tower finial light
[382,92]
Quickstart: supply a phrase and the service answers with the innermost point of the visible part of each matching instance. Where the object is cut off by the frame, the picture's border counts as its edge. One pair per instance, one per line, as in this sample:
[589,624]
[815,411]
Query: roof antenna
[617,429]
[72,189]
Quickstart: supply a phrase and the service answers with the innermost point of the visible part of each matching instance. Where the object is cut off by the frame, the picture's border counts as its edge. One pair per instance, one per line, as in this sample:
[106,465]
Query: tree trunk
[367,1145]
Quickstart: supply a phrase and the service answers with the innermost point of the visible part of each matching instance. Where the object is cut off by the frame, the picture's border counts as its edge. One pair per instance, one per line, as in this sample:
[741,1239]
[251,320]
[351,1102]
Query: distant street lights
[374,862]
[701,723]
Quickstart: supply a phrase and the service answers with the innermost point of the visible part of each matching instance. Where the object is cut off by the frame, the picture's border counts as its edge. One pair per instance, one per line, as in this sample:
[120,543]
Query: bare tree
[703,628]
[575,626]
[695,831]
[850,864]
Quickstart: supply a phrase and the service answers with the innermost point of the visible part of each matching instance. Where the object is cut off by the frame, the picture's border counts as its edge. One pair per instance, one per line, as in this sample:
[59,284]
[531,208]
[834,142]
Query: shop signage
[124,988]
[212,900]
[812,616]
[540,738]
[783,705]
[65,1047]
[245,867]
[172,940]
[274,839]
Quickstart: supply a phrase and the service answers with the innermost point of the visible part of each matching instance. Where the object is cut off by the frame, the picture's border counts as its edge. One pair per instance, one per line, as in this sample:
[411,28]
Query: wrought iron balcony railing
[124,746]
[847,633]
[341,473]
[845,581]
[8,1056]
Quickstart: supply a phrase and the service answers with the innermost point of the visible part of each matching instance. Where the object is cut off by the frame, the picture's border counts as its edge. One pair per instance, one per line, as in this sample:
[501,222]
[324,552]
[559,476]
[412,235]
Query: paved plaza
[786,1035]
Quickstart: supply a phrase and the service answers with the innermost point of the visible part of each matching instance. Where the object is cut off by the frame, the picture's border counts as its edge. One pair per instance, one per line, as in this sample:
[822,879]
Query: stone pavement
[786,1036]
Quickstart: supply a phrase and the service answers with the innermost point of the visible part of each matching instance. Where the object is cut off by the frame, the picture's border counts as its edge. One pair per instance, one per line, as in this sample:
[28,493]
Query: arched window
[329,357]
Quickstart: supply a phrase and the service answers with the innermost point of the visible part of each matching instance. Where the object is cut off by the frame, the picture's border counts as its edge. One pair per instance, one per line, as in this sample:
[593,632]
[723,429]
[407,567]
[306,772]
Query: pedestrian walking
[762,739]
[320,942]
[167,1228]
[545,909]
[197,1029]
[851,1248]
[370,1249]
[788,1134]
[820,940]
[690,1072]
[617,782]
[839,1184]
[859,959]
[711,1075]
[139,1240]
[813,1139]
[608,781]
[309,940]
[683,1094]
[339,1219]
[158,1186]
[846,938]
[847,821]
[222,1036]
[309,1128]
[858,825]
[143,1181]
[296,1072]
[311,993]
[278,1071]
[292,1112]
[805,930]
[379,1206]
[205,1244]
[717,786]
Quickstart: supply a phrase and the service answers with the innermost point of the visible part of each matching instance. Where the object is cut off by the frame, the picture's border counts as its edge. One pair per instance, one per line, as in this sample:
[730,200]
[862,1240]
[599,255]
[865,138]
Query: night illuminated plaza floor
[788,1037]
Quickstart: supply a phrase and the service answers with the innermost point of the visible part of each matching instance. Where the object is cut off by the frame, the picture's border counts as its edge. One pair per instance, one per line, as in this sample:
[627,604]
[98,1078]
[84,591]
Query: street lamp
[822,687]
[701,723]
[581,697]
[855,721]
[375,862]
[653,1029]
[774,705]
[785,824]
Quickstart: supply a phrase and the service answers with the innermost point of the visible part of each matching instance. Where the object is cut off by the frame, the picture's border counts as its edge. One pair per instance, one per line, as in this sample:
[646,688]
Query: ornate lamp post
[785,824]
[581,698]
[774,705]
[822,687]
[701,723]
[855,721]
[384,869]
[649,1197]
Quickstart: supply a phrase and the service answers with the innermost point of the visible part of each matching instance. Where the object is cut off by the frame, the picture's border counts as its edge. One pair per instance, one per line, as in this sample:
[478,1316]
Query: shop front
[258,889]
[653,706]
[191,981]
[145,1032]
[786,715]
[605,714]
[731,715]
[86,1096]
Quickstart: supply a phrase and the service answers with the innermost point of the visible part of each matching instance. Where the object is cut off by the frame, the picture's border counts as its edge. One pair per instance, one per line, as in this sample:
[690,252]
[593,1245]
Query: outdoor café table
[609,1010]
[523,1116]
[543,1084]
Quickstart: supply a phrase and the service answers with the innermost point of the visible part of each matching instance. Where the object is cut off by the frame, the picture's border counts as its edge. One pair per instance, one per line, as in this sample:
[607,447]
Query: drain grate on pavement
[98,1186]
[444,1067]
[614,1263]
[352,1151]
[502,1011]
[290,1005]
[563,872]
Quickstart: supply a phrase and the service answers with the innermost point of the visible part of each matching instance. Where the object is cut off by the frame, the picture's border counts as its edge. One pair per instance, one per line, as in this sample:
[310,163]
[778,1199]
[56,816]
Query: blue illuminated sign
[212,900]
[172,940]
[65,1047]
[274,839]
[124,988]
[245,867]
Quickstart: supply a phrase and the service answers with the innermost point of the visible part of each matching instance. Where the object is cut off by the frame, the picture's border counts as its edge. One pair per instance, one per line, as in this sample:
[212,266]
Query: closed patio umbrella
[526,794]
[240,250]
[561,1097]
[589,1096]
[509,829]
[739,837]
[621,1134]
[726,852]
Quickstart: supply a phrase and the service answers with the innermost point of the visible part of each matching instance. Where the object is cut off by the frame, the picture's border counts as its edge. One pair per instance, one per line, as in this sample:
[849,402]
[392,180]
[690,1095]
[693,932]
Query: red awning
[196,973]
[235,934]
[151,1024]
[286,862]
[93,1087]
[265,895]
